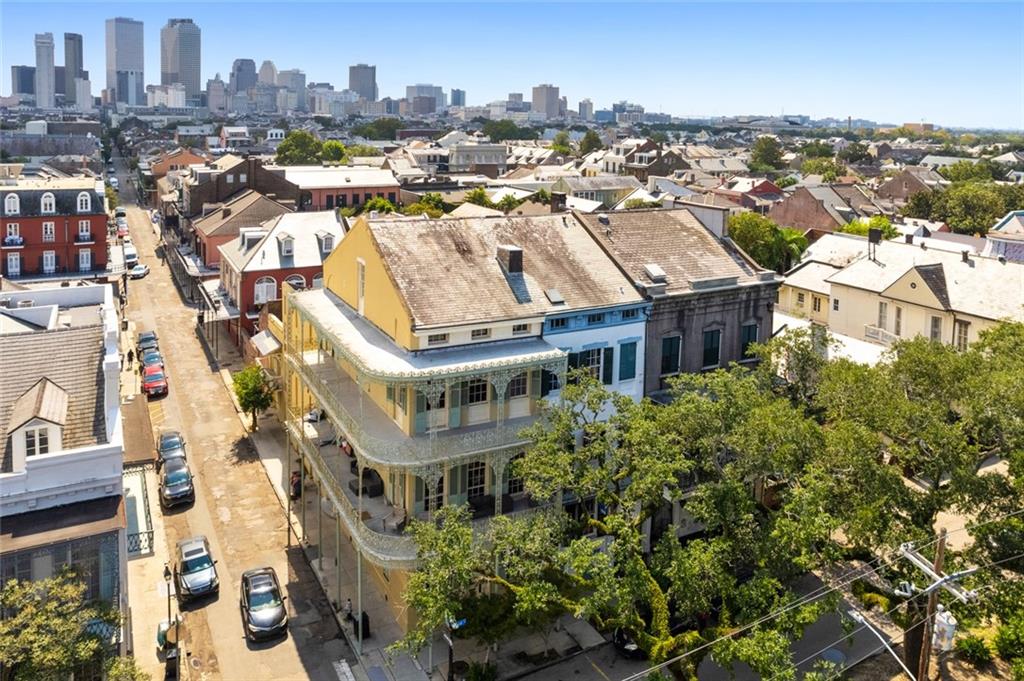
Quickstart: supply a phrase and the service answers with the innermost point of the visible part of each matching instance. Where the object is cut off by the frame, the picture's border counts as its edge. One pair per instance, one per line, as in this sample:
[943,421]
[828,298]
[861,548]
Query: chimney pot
[909,238]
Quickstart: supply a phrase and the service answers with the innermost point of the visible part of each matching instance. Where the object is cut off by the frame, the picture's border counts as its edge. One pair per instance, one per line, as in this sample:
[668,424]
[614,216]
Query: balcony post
[500,380]
[499,461]
[429,475]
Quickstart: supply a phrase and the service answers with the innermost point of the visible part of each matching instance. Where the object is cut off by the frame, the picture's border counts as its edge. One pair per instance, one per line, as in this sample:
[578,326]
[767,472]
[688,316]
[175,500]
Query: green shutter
[574,362]
[390,393]
[608,365]
[454,405]
[421,413]
[627,361]
[535,381]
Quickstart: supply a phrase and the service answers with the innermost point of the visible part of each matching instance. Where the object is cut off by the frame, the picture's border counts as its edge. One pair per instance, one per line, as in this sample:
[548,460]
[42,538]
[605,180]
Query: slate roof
[45,400]
[247,208]
[448,273]
[675,241]
[65,194]
[601,183]
[25,358]
[307,231]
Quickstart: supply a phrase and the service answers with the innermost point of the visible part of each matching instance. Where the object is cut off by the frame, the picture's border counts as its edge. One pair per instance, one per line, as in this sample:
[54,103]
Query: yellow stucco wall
[382,305]
[789,303]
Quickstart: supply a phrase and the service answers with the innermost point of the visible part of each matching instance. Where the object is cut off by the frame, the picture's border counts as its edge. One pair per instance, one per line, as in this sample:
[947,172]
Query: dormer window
[287,244]
[37,441]
[12,206]
[328,243]
[84,202]
[48,204]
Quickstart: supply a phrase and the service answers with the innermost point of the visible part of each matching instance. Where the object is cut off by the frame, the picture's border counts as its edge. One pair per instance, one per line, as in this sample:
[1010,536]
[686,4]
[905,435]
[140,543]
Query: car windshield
[178,477]
[261,600]
[151,357]
[190,565]
[155,376]
[170,442]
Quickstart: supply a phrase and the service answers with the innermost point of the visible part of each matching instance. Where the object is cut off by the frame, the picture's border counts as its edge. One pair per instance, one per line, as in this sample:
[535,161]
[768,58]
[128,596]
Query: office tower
[424,90]
[181,56]
[58,81]
[83,95]
[216,95]
[294,80]
[458,97]
[545,100]
[268,73]
[72,65]
[515,98]
[362,78]
[126,61]
[586,110]
[243,76]
[23,80]
[46,90]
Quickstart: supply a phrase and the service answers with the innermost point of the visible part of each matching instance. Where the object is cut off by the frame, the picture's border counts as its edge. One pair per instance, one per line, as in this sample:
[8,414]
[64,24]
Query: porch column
[429,475]
[337,551]
[499,461]
[499,380]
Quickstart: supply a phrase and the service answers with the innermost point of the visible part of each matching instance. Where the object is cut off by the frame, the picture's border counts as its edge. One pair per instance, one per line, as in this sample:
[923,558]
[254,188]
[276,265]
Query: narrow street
[235,507]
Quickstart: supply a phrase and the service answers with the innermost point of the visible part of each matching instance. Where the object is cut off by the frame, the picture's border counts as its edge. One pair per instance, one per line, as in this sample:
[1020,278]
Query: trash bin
[364,623]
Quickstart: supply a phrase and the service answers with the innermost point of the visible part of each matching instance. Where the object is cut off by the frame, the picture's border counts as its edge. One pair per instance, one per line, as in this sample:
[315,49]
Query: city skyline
[754,66]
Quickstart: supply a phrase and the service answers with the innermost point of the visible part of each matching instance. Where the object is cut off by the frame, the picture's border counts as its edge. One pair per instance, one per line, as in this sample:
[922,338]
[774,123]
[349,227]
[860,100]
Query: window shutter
[627,361]
[390,393]
[608,367]
[455,405]
[574,363]
[421,412]
[40,264]
[535,383]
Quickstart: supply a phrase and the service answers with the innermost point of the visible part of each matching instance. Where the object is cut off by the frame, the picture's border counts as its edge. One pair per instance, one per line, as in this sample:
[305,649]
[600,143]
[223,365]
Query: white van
[131,256]
[113,183]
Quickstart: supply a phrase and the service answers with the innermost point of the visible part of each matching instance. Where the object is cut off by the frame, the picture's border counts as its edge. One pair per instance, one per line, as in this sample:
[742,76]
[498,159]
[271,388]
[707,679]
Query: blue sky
[957,64]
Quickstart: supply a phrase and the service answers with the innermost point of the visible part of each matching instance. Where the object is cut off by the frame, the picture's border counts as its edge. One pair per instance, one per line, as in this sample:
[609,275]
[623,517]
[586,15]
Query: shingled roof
[448,272]
[675,241]
[27,359]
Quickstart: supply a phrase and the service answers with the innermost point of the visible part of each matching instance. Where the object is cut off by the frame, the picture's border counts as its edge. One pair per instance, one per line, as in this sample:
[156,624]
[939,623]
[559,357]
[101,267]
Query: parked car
[147,340]
[139,271]
[169,445]
[154,381]
[114,183]
[122,231]
[151,358]
[314,416]
[121,212]
[262,605]
[195,571]
[176,486]
[131,256]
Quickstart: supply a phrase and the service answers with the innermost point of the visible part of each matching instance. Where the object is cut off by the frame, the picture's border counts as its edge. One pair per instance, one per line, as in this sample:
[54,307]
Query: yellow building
[424,352]
[902,290]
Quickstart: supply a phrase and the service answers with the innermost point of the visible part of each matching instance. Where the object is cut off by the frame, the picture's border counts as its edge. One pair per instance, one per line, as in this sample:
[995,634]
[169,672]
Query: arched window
[12,206]
[318,280]
[296,281]
[265,290]
[84,202]
[48,204]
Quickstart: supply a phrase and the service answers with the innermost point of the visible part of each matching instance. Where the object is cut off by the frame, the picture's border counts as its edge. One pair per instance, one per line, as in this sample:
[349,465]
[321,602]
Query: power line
[820,592]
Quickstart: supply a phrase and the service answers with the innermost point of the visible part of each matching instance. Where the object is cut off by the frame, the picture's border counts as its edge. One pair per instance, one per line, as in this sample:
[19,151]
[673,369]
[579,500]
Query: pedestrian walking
[347,609]
[131,357]
[296,485]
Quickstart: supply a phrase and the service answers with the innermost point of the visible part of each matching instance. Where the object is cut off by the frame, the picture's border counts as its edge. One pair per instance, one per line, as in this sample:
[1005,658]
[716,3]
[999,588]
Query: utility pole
[933,600]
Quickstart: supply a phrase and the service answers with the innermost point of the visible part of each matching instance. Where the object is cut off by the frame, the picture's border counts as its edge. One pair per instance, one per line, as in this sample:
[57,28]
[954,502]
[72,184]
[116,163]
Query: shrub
[479,671]
[974,649]
[1017,670]
[1010,639]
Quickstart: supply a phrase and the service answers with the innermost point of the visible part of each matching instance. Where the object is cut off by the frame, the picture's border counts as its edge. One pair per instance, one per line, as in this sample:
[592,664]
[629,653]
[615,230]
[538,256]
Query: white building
[83,95]
[171,96]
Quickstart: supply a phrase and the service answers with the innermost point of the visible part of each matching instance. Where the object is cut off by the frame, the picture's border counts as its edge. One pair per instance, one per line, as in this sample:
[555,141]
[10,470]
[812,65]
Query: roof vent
[965,256]
[27,302]
[554,296]
[655,273]
[511,258]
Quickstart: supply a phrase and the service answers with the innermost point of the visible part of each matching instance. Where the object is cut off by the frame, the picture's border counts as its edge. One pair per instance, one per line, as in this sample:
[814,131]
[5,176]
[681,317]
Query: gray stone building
[710,301]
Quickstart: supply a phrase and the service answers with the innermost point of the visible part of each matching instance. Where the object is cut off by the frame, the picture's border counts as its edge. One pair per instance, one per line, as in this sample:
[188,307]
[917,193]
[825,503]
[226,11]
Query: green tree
[334,151]
[591,142]
[817,149]
[861,227]
[784,182]
[829,169]
[49,628]
[378,204]
[380,129]
[968,170]
[421,208]
[433,199]
[769,245]
[856,152]
[973,207]
[561,144]
[508,203]
[499,131]
[766,151]
[113,201]
[124,669]
[478,195]
[253,391]
[787,246]
[299,148]
[364,150]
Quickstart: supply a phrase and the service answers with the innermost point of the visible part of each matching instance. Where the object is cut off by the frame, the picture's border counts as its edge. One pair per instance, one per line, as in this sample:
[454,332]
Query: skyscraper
[458,97]
[181,56]
[46,89]
[72,65]
[586,110]
[243,76]
[422,90]
[294,80]
[126,61]
[545,100]
[216,95]
[23,80]
[362,78]
[268,73]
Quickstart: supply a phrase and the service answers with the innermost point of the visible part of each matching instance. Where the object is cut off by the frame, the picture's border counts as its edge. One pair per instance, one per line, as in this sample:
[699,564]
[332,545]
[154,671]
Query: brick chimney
[557,202]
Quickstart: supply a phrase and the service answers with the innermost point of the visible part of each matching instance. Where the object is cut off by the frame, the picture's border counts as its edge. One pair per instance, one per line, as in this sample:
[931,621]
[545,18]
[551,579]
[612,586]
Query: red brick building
[52,226]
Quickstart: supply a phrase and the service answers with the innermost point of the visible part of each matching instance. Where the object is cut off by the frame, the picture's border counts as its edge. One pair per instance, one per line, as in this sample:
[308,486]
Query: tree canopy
[252,391]
[379,129]
[828,168]
[591,142]
[772,247]
[299,148]
[860,227]
[968,207]
[784,476]
[499,131]
[766,152]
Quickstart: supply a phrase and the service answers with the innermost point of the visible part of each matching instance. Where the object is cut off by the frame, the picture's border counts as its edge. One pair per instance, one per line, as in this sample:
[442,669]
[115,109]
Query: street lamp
[167,581]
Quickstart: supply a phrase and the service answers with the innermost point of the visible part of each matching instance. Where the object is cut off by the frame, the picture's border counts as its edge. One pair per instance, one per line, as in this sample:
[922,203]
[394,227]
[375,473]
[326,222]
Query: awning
[265,343]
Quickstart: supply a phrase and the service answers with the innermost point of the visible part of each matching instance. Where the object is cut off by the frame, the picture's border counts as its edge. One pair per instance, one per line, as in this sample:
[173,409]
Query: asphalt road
[235,507]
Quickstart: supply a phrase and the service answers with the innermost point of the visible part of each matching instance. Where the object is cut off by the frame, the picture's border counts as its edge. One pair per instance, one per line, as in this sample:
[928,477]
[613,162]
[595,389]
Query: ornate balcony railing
[879,334]
[385,550]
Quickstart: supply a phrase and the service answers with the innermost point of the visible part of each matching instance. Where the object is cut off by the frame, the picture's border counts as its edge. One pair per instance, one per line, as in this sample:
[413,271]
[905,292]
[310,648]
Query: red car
[154,381]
